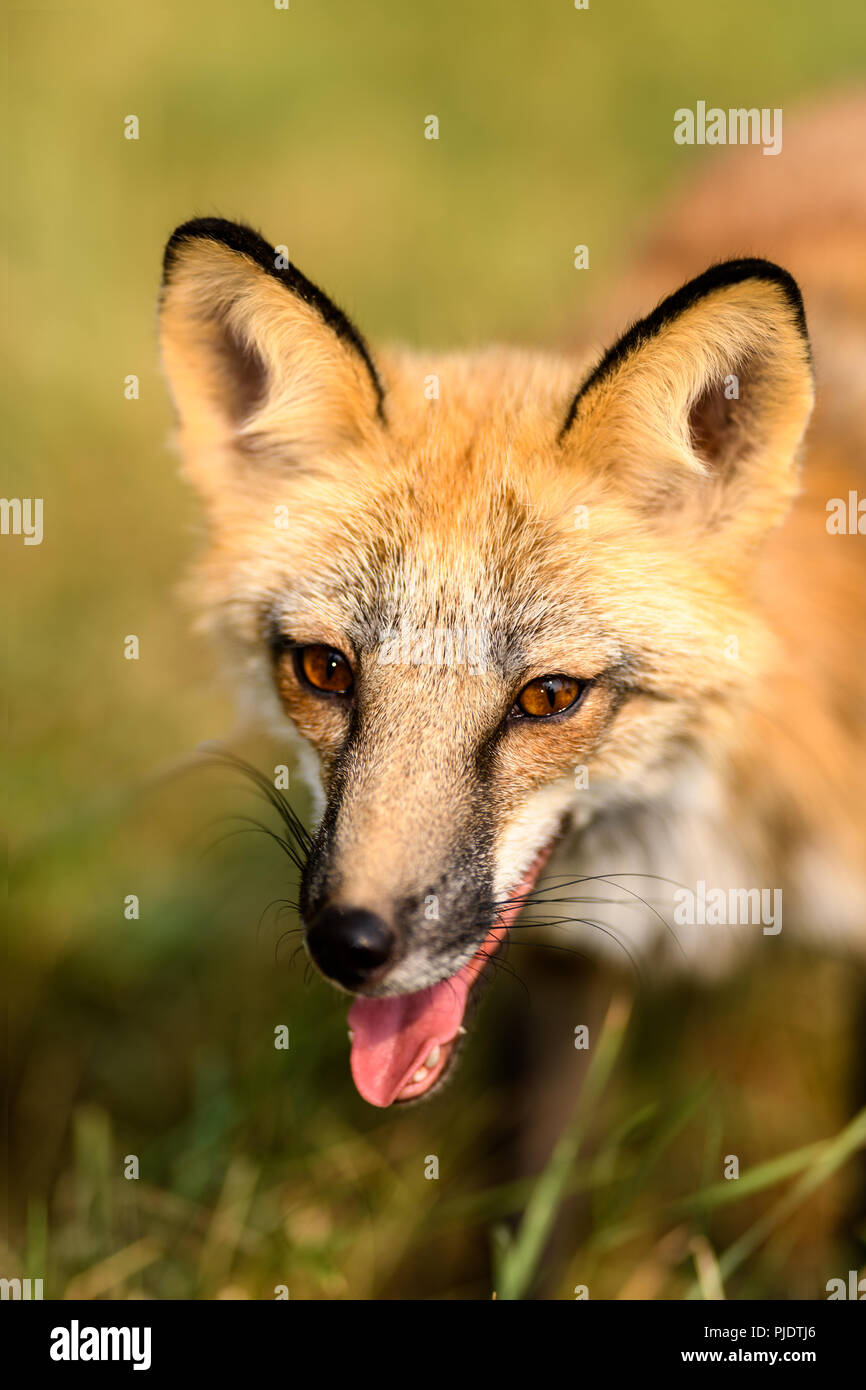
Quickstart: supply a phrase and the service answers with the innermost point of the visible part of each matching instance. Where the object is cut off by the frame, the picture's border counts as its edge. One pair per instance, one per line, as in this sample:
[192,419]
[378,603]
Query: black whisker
[499,964]
[254,827]
[297,832]
[291,931]
[535,897]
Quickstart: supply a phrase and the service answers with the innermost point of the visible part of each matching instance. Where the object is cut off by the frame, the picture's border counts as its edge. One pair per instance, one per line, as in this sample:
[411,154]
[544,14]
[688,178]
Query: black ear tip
[734,272]
[235,235]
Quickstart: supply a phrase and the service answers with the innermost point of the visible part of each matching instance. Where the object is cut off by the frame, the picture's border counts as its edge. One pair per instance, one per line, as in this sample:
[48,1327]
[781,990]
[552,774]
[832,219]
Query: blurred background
[154,1036]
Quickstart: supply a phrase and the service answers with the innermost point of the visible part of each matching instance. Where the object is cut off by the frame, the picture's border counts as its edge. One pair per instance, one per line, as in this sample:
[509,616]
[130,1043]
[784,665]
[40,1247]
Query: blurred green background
[155,1037]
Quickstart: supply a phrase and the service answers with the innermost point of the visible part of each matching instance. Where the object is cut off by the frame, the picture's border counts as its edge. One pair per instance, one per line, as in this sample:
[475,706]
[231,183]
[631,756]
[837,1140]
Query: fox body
[519,602]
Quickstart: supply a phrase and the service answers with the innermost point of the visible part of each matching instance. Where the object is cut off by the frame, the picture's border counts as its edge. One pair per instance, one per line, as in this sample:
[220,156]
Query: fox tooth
[420,1075]
[351,1036]
[461,1029]
[433,1058]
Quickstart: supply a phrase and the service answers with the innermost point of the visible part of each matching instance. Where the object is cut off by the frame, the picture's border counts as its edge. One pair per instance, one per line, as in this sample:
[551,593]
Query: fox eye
[548,695]
[324,668]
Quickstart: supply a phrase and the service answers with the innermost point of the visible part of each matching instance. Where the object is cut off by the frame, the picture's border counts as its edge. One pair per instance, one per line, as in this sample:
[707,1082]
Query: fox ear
[706,400]
[258,359]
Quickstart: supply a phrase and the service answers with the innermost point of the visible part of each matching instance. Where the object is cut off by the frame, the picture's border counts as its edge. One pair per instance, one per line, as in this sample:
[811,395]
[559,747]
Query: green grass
[154,1037]
[260,1168]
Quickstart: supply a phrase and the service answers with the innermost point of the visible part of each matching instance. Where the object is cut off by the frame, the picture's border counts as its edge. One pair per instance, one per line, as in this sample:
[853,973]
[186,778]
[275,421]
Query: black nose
[350,945]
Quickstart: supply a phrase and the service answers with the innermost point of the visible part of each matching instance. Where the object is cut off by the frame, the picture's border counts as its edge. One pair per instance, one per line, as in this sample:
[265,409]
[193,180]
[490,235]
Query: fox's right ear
[258,359]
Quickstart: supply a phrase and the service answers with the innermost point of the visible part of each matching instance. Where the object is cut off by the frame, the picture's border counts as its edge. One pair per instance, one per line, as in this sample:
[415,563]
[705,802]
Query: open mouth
[402,1046]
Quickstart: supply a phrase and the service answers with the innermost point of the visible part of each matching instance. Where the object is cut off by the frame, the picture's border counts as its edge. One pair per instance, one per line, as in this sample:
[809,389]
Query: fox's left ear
[705,401]
[258,359]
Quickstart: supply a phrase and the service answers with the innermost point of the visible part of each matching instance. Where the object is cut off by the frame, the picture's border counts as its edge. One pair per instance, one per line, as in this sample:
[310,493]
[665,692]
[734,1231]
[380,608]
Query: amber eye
[548,695]
[324,668]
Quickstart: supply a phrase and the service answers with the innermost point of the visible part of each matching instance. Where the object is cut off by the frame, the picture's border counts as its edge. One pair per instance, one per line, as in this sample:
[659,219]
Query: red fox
[522,603]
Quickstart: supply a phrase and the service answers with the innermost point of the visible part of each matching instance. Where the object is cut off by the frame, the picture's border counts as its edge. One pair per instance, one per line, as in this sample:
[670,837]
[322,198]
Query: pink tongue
[393,1037]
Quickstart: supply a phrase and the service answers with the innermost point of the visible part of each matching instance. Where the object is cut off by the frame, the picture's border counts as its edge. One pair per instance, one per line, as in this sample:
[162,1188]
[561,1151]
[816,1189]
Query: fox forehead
[494,587]
[485,533]
[489,394]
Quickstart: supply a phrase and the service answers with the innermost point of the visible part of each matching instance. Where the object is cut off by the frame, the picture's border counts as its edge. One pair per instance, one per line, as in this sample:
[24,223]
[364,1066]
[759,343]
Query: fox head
[494,591]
